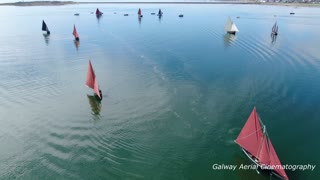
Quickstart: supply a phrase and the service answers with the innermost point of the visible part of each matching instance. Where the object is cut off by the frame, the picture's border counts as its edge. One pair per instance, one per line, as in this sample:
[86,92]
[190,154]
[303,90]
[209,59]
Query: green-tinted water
[176,91]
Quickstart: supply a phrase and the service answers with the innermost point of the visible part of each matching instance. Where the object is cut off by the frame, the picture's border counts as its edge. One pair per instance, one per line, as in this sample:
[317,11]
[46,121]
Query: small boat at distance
[45,27]
[180,15]
[160,13]
[98,13]
[256,145]
[76,14]
[140,13]
[75,33]
[292,13]
[92,82]
[126,14]
[275,29]
[230,27]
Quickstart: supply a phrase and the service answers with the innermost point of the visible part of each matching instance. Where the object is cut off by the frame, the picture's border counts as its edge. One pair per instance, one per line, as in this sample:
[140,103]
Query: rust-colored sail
[75,33]
[251,134]
[98,12]
[275,162]
[91,81]
[139,12]
[96,88]
[263,152]
[90,76]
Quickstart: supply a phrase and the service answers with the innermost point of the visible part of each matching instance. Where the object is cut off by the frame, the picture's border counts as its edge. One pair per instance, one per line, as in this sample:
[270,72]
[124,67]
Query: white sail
[230,26]
[234,28]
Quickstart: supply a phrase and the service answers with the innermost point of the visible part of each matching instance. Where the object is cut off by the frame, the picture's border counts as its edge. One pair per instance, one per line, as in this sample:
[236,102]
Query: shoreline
[61,3]
[39,3]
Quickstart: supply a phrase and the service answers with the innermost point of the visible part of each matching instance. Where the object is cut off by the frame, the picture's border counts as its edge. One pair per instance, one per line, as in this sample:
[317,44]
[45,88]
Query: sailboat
[230,27]
[139,13]
[160,13]
[98,12]
[45,27]
[92,82]
[75,33]
[275,29]
[257,146]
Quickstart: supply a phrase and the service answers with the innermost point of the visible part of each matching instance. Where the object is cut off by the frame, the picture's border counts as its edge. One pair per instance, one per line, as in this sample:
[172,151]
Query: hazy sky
[5,1]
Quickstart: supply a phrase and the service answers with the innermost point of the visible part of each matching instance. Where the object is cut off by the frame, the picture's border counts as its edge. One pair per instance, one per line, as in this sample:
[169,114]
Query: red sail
[90,76]
[275,162]
[98,12]
[263,152]
[139,11]
[76,35]
[251,134]
[96,88]
[91,80]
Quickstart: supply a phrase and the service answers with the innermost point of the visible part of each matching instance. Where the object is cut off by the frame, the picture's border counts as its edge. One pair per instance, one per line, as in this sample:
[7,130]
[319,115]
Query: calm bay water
[176,91]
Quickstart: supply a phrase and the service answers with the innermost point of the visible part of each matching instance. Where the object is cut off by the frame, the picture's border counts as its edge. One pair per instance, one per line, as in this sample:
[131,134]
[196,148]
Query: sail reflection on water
[46,38]
[95,105]
[76,44]
[228,39]
[273,38]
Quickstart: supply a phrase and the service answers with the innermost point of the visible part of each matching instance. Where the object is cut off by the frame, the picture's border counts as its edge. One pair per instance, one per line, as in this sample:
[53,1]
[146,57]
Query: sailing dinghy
[92,82]
[45,27]
[256,144]
[275,29]
[75,33]
[139,13]
[98,13]
[160,13]
[230,27]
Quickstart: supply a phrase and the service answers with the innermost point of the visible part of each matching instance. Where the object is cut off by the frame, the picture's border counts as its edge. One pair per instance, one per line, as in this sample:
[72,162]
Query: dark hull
[232,32]
[274,33]
[256,161]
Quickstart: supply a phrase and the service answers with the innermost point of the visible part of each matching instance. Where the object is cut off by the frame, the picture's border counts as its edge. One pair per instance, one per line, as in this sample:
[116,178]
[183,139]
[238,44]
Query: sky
[6,1]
